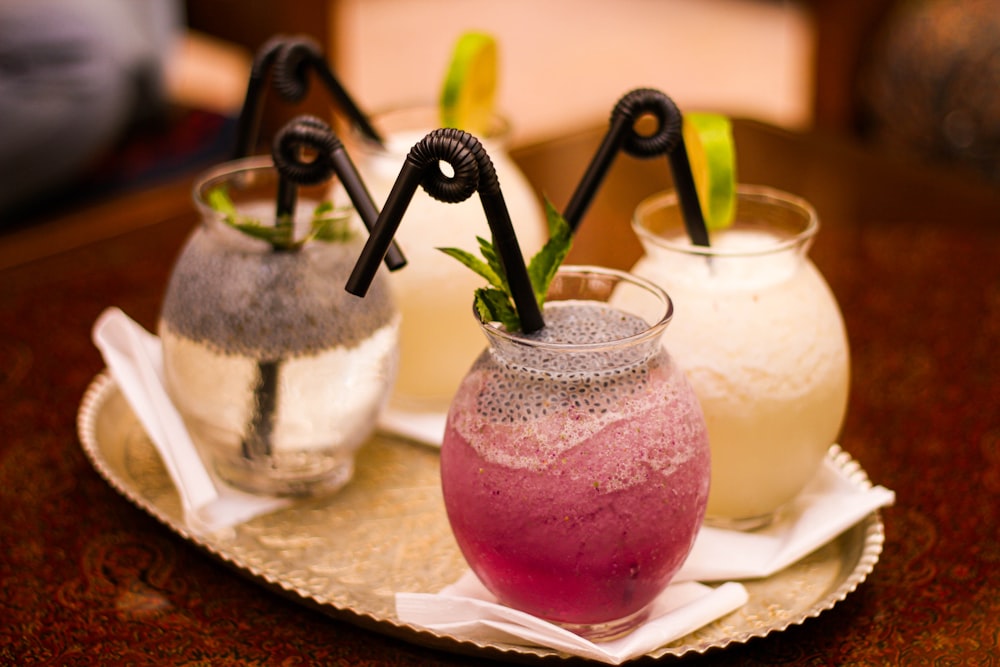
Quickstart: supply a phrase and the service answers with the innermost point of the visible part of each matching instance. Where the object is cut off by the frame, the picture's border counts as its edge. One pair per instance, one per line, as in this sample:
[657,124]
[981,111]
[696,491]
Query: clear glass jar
[575,463]
[278,372]
[762,340]
[434,291]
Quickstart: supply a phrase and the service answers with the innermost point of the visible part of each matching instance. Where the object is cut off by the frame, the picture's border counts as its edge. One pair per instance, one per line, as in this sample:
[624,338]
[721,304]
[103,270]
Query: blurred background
[565,64]
[919,76]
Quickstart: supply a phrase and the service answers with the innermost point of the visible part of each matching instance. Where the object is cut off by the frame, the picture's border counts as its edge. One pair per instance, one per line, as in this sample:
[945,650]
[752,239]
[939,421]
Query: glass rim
[759,193]
[651,332]
[500,125]
[227,169]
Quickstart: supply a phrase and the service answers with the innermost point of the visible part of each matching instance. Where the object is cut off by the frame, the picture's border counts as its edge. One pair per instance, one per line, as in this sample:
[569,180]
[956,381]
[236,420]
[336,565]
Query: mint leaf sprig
[495,303]
[328,223]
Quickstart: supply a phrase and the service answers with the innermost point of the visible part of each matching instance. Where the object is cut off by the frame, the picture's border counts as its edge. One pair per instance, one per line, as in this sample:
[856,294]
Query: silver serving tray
[387,531]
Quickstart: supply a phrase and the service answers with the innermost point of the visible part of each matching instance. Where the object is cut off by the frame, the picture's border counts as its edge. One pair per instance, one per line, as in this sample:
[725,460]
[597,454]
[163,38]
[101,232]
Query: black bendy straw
[622,134]
[308,133]
[291,58]
[473,171]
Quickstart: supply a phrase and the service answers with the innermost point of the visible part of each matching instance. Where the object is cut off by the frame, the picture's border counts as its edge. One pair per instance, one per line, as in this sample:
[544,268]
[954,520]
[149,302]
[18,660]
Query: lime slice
[708,138]
[469,91]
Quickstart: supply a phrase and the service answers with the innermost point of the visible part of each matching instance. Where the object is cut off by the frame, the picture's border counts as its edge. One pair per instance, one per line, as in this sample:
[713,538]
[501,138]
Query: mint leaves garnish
[495,303]
[328,223]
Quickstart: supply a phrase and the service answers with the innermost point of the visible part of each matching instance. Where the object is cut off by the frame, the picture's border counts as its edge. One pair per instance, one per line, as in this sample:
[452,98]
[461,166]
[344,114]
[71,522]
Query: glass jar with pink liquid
[575,463]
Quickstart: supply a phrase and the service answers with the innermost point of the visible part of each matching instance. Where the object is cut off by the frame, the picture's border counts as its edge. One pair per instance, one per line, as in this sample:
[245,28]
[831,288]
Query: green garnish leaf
[479,266]
[495,303]
[487,250]
[328,223]
[218,199]
[543,266]
[276,236]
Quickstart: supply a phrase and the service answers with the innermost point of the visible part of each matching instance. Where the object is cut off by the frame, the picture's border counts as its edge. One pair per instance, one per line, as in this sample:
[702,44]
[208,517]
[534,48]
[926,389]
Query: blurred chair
[919,77]
[931,83]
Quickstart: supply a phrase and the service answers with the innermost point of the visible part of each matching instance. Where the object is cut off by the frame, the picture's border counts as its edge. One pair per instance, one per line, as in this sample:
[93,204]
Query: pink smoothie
[580,500]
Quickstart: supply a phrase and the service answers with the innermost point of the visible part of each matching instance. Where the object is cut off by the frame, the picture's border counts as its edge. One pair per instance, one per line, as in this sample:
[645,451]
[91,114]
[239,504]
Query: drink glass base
[742,524]
[313,474]
[609,630]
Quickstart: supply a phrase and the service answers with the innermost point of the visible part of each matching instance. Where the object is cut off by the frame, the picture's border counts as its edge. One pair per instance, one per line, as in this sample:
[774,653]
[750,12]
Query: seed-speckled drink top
[576,483]
[244,299]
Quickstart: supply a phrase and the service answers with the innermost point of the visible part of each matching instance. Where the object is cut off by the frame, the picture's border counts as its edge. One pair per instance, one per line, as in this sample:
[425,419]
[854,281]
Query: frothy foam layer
[749,327]
[743,340]
[530,382]
[756,265]
[529,419]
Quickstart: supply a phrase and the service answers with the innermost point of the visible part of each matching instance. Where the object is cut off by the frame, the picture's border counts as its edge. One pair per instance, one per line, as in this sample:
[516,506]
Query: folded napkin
[831,503]
[468,610]
[135,359]
[424,427]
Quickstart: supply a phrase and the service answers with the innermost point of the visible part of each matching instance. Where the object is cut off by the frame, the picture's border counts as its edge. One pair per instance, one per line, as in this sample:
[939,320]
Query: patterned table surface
[913,256]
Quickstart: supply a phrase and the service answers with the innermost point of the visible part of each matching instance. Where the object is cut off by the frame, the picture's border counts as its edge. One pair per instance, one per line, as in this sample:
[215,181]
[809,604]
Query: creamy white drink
[762,340]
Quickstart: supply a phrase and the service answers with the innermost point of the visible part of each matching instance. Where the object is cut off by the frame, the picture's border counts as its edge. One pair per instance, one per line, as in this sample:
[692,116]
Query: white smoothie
[762,340]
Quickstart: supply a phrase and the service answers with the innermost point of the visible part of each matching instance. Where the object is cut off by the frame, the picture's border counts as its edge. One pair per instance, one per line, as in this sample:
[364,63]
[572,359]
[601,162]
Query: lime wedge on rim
[469,91]
[708,138]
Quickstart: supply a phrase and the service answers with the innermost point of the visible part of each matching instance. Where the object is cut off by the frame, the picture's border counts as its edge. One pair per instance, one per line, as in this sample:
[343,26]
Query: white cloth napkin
[424,427]
[468,610]
[135,359]
[830,504]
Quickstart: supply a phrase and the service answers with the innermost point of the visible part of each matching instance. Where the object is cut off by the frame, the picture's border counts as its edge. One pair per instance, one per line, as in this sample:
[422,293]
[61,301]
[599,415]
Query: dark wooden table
[913,257]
